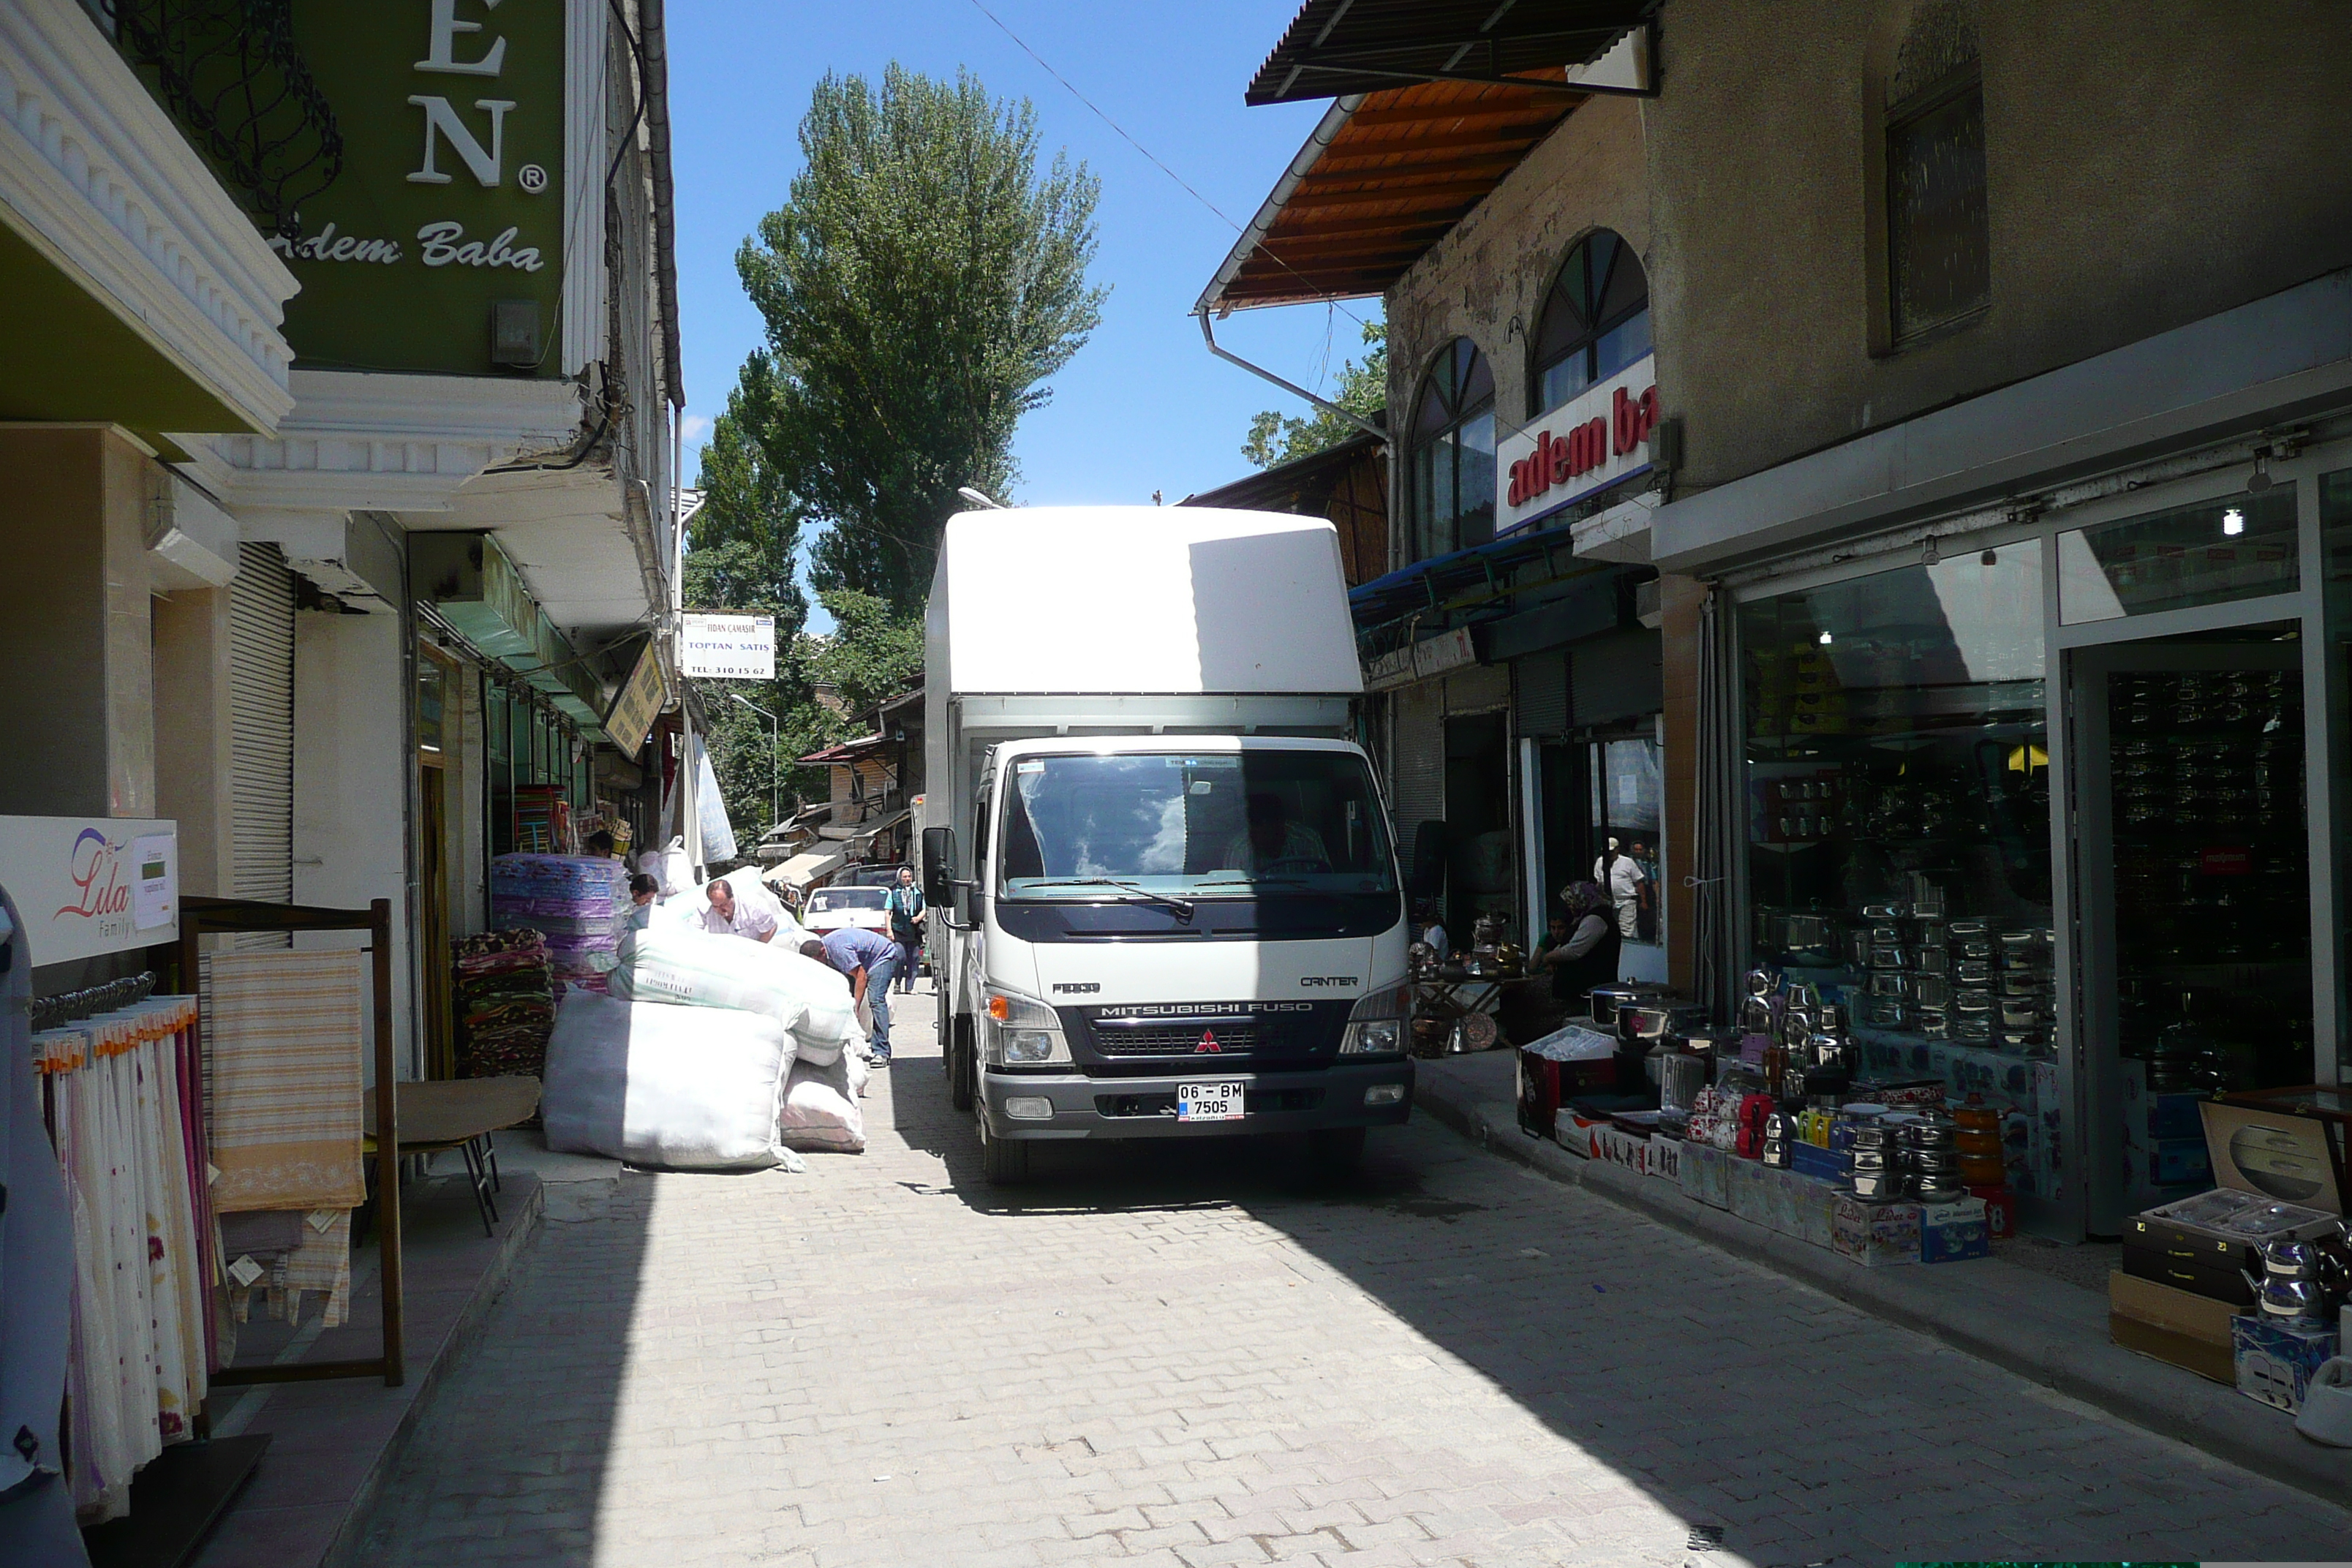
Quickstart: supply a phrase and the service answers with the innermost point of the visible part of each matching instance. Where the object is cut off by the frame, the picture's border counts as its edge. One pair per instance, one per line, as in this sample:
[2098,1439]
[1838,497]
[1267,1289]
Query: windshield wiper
[1181,907]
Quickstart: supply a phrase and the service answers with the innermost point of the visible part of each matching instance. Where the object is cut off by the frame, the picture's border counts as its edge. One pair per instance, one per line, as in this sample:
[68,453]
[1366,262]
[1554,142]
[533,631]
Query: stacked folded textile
[505,1004]
[579,903]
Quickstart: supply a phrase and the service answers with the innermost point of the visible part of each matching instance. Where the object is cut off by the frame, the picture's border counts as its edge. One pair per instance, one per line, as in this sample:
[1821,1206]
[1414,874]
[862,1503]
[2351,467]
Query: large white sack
[687,968]
[693,968]
[821,1111]
[695,1088]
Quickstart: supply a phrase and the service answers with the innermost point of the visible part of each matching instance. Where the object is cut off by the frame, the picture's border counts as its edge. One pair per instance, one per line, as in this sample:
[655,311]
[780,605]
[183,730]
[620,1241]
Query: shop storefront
[2035,790]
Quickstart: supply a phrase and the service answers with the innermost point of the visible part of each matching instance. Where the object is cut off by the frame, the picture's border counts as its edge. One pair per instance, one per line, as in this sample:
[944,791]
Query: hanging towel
[282,1086]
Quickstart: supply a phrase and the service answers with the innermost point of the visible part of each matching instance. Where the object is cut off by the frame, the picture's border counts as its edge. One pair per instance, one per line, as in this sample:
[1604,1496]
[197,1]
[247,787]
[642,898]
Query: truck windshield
[1198,824]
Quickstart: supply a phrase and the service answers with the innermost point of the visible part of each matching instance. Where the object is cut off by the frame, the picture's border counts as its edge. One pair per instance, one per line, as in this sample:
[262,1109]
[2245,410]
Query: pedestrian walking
[1619,876]
[869,959]
[906,906]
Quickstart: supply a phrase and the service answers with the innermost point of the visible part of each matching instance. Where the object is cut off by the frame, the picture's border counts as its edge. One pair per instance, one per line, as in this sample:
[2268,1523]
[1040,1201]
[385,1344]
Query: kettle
[2291,1289]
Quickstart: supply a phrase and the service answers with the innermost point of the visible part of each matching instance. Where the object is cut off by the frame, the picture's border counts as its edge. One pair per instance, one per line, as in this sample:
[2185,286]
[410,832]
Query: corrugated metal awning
[1335,46]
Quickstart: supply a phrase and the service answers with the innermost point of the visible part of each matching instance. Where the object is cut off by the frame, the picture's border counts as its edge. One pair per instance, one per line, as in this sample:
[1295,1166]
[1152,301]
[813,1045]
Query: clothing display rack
[201,918]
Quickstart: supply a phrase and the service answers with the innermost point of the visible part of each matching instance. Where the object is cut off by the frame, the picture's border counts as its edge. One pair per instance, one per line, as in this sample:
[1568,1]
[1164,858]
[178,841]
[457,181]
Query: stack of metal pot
[1931,1147]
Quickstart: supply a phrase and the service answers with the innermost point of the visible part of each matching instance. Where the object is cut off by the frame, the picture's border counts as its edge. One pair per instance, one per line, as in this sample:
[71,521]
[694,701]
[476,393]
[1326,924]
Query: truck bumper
[1103,1108]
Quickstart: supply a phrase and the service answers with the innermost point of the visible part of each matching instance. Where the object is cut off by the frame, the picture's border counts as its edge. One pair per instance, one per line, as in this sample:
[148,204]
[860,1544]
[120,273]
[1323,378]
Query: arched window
[1454,453]
[1596,320]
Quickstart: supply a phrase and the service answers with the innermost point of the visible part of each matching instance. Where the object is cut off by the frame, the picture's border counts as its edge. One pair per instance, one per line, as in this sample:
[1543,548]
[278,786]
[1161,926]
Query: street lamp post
[775,744]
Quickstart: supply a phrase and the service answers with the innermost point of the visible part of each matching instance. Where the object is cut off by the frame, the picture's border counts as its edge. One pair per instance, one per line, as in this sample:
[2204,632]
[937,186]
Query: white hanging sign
[728,647]
[88,886]
[1591,442]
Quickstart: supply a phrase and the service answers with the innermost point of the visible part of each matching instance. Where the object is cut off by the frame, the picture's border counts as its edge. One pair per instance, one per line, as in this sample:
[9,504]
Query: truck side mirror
[1426,878]
[939,866]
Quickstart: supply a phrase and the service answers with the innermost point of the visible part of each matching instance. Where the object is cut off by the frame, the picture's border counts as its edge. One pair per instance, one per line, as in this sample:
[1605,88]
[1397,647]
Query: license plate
[1208,1102]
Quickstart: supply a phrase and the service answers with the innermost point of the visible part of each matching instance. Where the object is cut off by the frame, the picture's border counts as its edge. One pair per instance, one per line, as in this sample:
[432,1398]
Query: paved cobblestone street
[1192,1355]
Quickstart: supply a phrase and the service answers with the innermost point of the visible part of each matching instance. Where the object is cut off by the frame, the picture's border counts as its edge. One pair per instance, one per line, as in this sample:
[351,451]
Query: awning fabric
[1335,46]
[846,750]
[801,869]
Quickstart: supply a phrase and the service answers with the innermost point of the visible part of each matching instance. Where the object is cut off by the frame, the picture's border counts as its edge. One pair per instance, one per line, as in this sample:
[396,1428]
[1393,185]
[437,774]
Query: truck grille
[1176,1039]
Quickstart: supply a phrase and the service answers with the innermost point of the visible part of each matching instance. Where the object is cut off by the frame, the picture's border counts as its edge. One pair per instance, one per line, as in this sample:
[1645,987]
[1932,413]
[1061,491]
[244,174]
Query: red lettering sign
[96,871]
[1556,459]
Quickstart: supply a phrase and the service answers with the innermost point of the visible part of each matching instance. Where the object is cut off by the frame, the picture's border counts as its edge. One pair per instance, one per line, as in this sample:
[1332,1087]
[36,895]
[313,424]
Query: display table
[460,1114]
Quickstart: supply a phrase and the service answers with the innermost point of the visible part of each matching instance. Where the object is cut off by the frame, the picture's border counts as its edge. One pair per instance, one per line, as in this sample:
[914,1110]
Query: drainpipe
[1209,337]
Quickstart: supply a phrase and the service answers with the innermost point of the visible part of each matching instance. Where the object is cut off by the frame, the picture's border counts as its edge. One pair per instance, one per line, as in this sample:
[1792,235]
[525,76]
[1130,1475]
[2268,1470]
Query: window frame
[1588,345]
[1448,373]
[1896,118]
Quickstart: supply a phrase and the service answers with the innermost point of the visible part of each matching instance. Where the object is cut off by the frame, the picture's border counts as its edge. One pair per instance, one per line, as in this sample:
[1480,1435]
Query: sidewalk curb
[2043,1329]
[350,1545]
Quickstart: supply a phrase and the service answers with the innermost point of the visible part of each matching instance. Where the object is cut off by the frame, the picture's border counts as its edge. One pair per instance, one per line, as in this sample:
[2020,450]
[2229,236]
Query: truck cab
[1167,894]
[1173,936]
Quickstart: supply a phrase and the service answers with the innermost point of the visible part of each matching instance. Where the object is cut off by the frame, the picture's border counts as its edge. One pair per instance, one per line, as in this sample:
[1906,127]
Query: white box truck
[1167,889]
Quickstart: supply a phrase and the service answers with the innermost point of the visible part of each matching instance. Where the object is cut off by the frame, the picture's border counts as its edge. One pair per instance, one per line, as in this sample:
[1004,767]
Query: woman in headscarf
[1580,950]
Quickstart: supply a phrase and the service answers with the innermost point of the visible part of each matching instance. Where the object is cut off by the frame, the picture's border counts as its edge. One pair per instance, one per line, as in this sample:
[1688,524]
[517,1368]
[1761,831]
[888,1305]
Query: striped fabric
[282,1079]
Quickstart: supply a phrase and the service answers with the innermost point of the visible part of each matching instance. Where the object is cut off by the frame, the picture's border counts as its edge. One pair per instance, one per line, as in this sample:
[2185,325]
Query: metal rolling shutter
[1540,693]
[1481,689]
[1417,763]
[261,703]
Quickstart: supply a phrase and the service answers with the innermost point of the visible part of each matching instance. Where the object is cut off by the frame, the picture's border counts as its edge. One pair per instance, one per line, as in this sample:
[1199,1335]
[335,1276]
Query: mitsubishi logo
[1208,1044]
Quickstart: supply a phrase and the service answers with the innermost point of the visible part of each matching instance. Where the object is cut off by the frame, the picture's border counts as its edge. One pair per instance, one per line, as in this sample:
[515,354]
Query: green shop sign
[440,245]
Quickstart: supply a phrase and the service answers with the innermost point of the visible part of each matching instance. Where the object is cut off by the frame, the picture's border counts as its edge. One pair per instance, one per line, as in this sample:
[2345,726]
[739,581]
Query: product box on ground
[1951,1233]
[2000,1211]
[1619,1148]
[1876,1234]
[1662,1157]
[2274,1361]
[2186,1330]
[1705,1175]
[1780,1199]
[1573,1130]
[1747,1185]
[1815,1205]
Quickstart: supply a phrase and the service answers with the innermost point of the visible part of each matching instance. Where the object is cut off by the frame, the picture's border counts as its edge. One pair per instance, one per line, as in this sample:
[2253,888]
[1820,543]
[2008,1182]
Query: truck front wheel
[960,1058]
[1005,1164]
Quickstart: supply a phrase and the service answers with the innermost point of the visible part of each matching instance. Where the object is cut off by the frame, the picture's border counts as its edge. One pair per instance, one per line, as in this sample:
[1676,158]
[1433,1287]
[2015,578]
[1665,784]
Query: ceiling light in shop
[2233,521]
[1825,640]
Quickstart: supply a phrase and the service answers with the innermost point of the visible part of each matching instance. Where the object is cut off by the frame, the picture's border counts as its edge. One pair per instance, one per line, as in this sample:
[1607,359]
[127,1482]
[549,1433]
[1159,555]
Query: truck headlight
[1017,1032]
[1376,1027]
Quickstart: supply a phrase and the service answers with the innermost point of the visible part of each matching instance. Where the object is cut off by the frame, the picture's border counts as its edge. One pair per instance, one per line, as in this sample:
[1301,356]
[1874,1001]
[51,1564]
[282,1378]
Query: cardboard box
[2274,1362]
[1705,1174]
[1574,1132]
[1746,1183]
[1781,1200]
[1618,1148]
[1875,1235]
[2173,1347]
[2186,1331]
[1952,1232]
[1815,1204]
[2161,1306]
[1663,1158]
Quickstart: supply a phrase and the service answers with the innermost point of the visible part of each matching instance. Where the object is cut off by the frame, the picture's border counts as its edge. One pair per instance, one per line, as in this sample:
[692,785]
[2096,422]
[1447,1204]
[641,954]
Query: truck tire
[959,1055]
[1334,1151]
[1003,1162]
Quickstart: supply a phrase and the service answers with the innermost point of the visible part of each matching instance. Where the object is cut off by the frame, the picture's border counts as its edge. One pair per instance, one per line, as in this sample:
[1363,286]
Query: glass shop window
[1898,813]
[2336,551]
[1628,796]
[1938,243]
[2238,547]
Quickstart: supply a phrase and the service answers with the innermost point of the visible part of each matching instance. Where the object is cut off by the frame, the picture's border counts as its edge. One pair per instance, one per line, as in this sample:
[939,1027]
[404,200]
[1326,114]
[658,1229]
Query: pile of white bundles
[712,1052]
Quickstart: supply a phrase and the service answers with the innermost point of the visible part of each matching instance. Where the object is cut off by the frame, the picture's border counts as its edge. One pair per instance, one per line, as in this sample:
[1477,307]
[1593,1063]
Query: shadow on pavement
[1807,1433]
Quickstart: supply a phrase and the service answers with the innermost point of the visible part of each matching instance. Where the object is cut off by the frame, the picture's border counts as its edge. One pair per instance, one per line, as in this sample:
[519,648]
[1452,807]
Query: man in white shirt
[1620,876]
[728,915]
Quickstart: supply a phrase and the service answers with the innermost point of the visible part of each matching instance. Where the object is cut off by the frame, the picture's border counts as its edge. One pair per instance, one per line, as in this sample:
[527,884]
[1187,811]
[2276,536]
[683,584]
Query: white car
[834,909]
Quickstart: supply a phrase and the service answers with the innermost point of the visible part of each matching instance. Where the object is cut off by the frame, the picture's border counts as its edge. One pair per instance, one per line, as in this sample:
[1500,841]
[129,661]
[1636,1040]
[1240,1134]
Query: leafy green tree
[1275,438]
[919,287]
[740,555]
[874,651]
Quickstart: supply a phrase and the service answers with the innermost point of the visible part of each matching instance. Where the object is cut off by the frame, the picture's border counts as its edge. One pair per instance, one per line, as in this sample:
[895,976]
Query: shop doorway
[1480,875]
[2194,969]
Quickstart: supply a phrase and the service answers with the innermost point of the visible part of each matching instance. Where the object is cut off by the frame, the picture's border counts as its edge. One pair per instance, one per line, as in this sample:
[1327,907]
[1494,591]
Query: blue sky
[1143,407]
